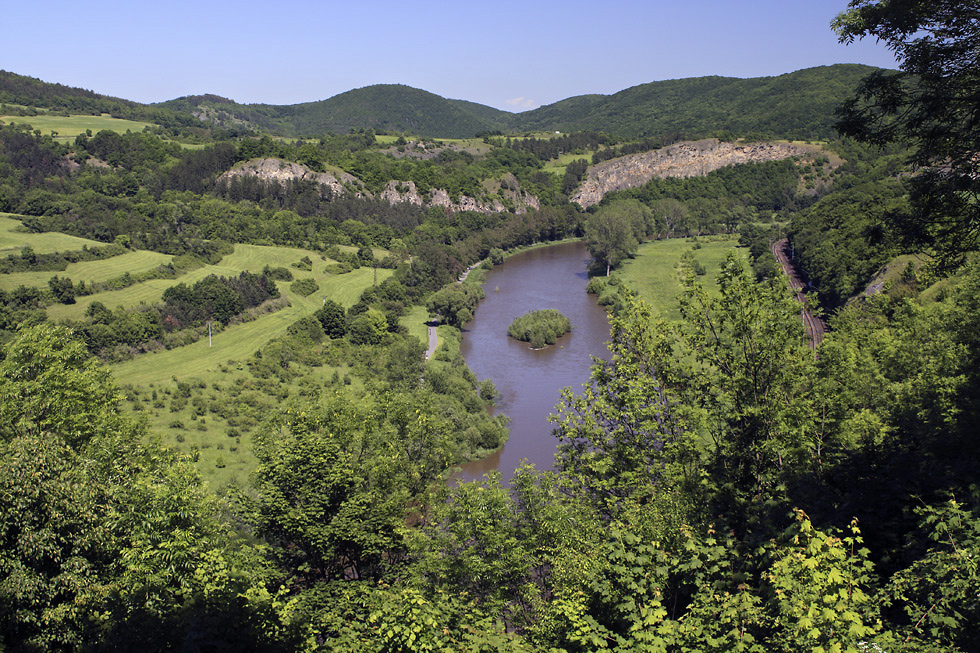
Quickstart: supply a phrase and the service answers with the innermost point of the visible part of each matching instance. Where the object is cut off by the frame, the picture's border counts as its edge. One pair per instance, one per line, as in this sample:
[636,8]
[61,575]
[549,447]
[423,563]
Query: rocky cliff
[501,194]
[339,183]
[688,159]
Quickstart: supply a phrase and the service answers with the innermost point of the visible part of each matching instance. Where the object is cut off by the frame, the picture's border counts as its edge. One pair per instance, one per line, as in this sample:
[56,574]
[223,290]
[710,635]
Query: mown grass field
[90,271]
[245,257]
[655,275]
[240,341]
[12,241]
[68,127]
[223,453]
[557,166]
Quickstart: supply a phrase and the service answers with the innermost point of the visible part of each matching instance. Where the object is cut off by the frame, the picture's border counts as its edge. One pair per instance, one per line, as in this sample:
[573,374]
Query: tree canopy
[931,105]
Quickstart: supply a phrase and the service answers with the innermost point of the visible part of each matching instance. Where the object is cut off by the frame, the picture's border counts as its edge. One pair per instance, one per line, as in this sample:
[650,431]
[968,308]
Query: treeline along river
[530,381]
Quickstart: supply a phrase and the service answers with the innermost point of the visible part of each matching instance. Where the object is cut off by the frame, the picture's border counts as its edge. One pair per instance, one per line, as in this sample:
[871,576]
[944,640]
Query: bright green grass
[557,166]
[245,257]
[379,252]
[240,341]
[11,241]
[654,275]
[68,127]
[415,321]
[207,436]
[90,271]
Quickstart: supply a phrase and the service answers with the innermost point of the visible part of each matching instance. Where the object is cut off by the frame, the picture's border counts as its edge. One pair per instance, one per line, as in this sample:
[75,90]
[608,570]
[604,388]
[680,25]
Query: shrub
[596,285]
[304,287]
[304,264]
[540,328]
[278,274]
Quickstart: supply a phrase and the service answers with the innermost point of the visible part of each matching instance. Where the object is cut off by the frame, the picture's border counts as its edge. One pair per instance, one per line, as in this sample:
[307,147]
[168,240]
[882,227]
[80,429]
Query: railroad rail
[815,326]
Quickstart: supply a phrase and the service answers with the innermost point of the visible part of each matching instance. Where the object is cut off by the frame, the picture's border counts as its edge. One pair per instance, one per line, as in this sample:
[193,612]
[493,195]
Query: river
[530,381]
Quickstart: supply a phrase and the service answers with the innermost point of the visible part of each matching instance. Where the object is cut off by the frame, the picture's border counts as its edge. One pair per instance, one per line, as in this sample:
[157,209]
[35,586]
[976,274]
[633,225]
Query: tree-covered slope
[32,92]
[385,107]
[798,105]
[795,105]
[382,107]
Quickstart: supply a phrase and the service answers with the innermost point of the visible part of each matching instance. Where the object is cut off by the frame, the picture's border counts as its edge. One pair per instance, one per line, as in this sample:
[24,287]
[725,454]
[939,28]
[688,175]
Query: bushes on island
[540,328]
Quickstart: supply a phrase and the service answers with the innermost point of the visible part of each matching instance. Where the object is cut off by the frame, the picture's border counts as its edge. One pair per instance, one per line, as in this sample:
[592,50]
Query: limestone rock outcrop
[686,159]
[510,197]
[269,169]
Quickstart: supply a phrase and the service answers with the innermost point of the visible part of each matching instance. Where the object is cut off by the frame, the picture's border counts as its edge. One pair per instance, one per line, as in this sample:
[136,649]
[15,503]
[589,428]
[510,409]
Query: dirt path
[815,327]
[433,343]
[466,273]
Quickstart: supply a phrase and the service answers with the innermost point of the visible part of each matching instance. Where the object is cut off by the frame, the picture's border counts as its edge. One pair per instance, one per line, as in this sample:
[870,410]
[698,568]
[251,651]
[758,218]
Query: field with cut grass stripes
[12,241]
[68,127]
[245,257]
[240,341]
[90,271]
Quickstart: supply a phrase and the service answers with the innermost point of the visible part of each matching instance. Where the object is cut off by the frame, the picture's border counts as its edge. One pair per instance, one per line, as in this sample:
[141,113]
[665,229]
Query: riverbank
[552,275]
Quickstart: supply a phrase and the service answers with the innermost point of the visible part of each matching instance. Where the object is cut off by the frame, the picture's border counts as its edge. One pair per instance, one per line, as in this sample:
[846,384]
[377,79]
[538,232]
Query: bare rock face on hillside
[501,195]
[339,183]
[505,190]
[396,192]
[687,159]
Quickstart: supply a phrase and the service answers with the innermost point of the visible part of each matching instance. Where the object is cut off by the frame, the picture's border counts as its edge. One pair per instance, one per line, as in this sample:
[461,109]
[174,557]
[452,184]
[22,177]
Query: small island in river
[540,328]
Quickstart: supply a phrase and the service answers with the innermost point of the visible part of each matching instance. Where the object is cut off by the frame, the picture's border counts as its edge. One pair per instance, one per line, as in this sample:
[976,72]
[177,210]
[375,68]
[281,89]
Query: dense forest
[719,484]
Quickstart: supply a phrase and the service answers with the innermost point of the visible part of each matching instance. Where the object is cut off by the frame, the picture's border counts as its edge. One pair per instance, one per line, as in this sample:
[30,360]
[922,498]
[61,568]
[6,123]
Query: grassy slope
[148,380]
[11,241]
[415,321]
[246,257]
[68,127]
[224,459]
[240,341]
[654,274]
[557,166]
[90,271]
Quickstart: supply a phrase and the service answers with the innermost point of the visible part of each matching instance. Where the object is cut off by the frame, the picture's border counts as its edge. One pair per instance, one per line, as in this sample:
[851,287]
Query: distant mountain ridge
[797,105]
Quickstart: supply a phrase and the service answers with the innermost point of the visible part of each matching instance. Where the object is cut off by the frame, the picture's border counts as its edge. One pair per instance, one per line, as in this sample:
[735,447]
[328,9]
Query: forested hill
[796,105]
[29,91]
[394,107]
[382,107]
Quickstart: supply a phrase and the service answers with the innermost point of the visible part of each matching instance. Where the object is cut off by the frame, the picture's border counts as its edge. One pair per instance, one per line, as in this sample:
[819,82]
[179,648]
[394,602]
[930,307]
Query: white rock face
[687,159]
[394,192]
[282,171]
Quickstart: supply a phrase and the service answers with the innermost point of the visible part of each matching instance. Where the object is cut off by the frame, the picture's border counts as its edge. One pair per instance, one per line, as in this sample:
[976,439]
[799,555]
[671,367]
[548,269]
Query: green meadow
[245,257]
[13,238]
[220,444]
[90,271]
[655,274]
[557,166]
[215,368]
[241,340]
[415,320]
[68,127]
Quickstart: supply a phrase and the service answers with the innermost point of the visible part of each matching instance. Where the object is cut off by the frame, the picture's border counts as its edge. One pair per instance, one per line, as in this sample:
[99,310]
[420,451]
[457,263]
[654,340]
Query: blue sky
[509,54]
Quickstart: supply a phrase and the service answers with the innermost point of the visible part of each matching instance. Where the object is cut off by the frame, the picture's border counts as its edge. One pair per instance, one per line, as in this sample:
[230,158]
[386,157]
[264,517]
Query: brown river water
[530,381]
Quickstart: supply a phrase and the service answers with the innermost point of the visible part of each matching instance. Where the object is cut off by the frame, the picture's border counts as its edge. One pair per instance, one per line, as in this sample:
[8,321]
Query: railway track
[815,327]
